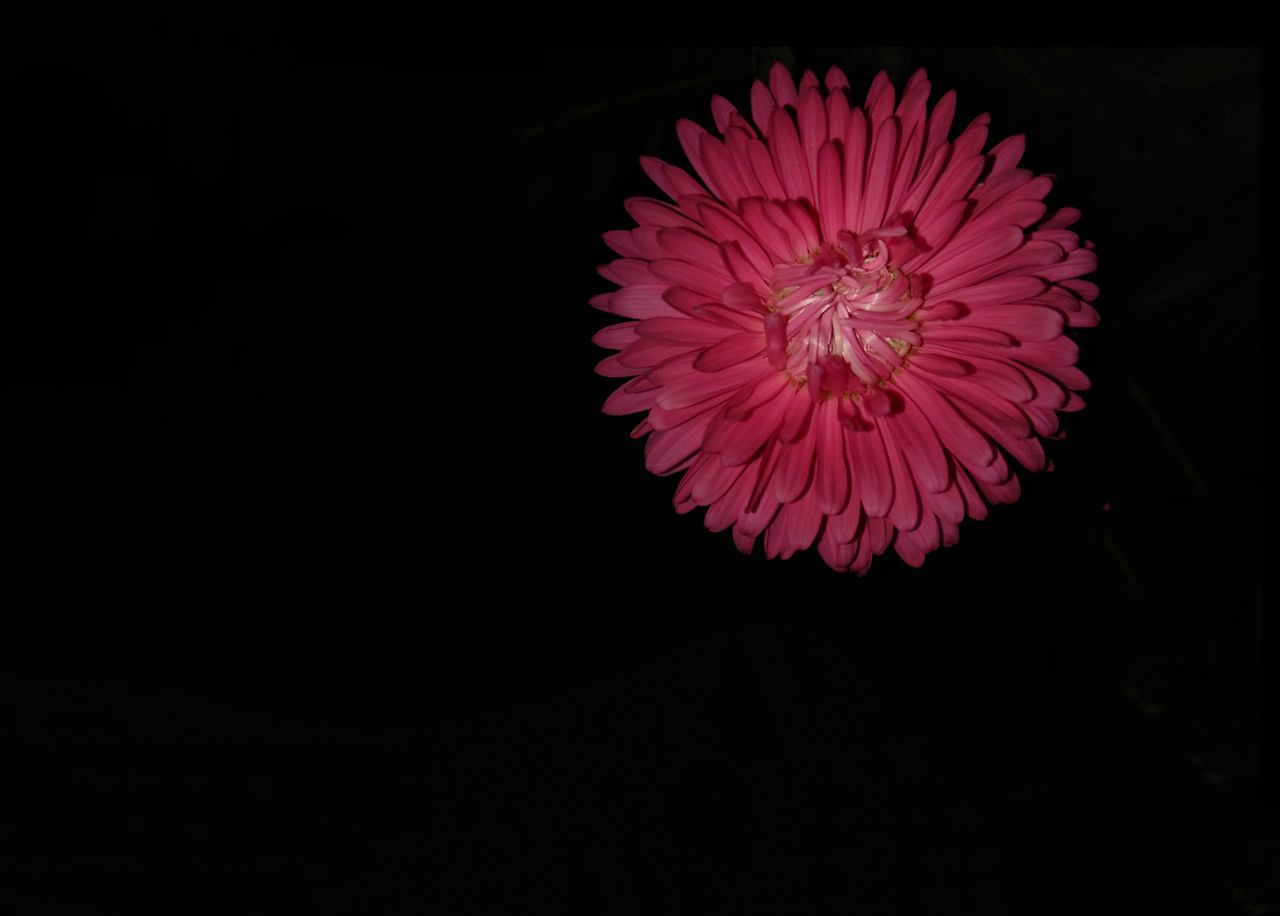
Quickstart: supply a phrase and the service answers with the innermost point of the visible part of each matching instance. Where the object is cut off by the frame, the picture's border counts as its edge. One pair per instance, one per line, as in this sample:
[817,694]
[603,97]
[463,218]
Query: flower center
[841,320]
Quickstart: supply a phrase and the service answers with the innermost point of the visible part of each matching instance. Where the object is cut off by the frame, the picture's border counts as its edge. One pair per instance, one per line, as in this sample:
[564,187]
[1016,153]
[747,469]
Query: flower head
[844,327]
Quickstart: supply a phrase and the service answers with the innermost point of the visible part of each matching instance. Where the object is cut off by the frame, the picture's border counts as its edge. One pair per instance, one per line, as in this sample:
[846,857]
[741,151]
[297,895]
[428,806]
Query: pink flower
[841,332]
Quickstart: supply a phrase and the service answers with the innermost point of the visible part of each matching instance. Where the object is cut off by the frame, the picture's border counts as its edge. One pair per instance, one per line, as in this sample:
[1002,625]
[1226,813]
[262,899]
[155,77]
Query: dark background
[327,586]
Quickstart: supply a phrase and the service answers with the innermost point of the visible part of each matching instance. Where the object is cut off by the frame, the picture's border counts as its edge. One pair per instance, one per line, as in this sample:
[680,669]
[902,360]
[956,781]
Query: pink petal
[627,272]
[905,510]
[682,331]
[830,192]
[693,248]
[723,170]
[743,541]
[765,231]
[734,349]
[610,367]
[700,278]
[855,152]
[665,449]
[879,176]
[627,400]
[794,472]
[781,84]
[832,483]
[1006,154]
[738,441]
[880,96]
[721,109]
[1024,322]
[875,480]
[797,421]
[693,387]
[803,518]
[812,117]
[616,336]
[919,446]
[788,156]
[961,439]
[714,480]
[641,302]
[847,525]
[649,212]
[940,121]
[690,136]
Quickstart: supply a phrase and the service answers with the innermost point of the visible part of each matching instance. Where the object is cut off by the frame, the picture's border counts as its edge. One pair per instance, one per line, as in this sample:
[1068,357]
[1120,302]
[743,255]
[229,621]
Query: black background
[327,585]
